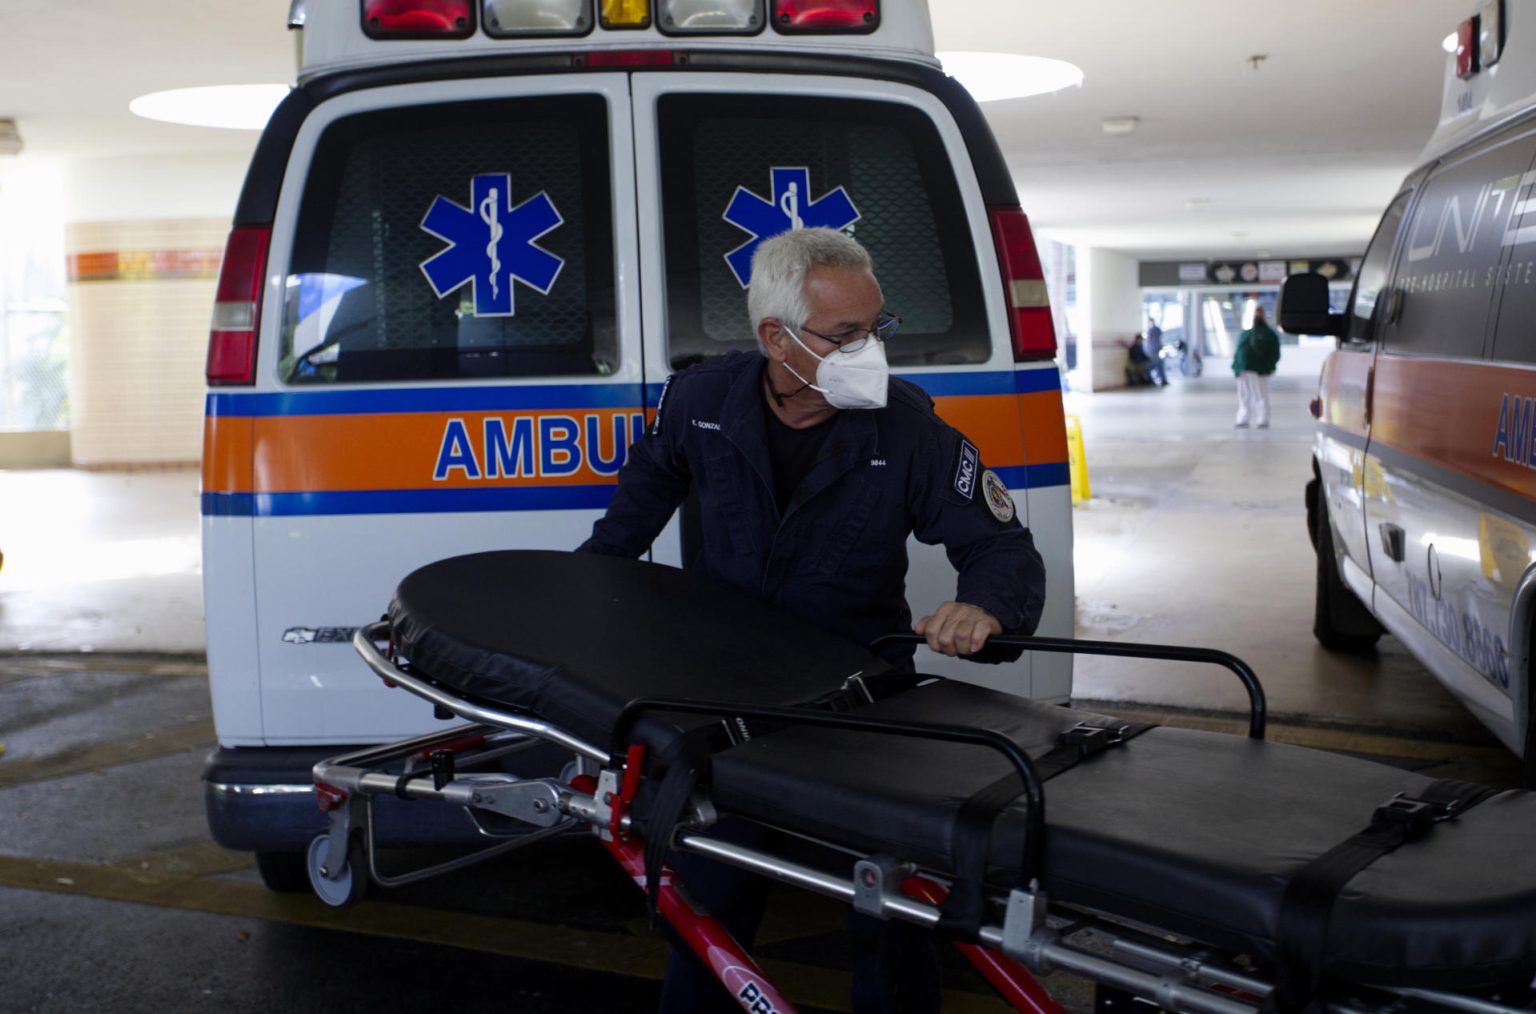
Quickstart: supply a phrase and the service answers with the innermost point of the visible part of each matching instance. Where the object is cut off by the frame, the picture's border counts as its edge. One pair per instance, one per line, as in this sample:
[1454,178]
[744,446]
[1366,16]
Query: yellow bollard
[1077,462]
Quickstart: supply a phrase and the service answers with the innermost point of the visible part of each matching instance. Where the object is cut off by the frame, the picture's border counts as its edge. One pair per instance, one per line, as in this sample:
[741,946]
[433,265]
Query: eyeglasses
[855,339]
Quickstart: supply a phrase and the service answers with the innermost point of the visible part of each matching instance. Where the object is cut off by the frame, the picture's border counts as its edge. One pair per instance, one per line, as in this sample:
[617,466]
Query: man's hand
[956,628]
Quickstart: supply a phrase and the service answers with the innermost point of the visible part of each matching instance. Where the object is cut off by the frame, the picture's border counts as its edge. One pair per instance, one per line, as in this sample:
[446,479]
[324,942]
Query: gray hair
[781,263]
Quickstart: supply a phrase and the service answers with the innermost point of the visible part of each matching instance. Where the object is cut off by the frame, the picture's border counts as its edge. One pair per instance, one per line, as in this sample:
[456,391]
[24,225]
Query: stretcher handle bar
[1170,652]
[1034,788]
[1172,993]
[370,756]
[363,643]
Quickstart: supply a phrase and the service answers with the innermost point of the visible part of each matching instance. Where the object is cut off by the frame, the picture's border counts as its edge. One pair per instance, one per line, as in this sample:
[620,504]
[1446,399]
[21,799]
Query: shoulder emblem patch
[999,501]
[965,469]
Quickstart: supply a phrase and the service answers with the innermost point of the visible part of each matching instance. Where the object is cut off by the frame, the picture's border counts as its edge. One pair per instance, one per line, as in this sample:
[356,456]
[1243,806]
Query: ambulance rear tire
[347,889]
[1340,621]
[283,872]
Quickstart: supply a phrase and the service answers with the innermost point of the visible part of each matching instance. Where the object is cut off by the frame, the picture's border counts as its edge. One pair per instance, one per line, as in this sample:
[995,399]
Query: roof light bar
[711,17]
[795,17]
[418,19]
[515,18]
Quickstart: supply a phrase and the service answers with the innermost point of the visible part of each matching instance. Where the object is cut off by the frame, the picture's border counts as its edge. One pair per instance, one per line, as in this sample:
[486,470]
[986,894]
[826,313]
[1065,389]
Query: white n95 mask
[849,379]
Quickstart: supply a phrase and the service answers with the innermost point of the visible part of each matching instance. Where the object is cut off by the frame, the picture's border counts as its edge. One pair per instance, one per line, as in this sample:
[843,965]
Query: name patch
[965,469]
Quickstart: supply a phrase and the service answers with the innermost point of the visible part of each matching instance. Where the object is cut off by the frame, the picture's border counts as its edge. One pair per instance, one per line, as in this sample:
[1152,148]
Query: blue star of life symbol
[491,243]
[790,208]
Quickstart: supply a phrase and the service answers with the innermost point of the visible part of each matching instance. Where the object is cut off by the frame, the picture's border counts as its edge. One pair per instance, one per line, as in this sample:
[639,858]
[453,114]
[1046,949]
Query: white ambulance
[1422,504]
[474,242]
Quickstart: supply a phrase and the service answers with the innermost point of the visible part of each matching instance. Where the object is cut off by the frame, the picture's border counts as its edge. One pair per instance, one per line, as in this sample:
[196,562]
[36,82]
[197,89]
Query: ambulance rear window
[450,241]
[738,168]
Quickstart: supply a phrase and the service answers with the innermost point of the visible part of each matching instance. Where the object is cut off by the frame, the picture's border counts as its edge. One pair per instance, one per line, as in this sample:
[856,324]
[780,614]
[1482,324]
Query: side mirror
[1303,307]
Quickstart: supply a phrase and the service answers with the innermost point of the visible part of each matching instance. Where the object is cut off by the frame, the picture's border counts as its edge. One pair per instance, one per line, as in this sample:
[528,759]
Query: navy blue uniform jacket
[837,557]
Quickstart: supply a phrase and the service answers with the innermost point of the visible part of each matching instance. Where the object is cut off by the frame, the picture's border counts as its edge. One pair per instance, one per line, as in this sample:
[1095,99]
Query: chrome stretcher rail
[364,643]
[1257,708]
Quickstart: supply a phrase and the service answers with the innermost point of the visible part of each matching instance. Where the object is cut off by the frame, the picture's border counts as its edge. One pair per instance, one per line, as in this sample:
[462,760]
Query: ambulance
[474,242]
[1422,504]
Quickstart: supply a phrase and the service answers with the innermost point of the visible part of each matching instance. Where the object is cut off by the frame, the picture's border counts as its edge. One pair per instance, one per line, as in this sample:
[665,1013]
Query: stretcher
[1199,872]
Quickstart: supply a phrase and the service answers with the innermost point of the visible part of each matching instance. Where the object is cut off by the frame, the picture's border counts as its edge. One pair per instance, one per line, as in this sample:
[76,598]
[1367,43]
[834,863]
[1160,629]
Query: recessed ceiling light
[236,107]
[1119,126]
[991,77]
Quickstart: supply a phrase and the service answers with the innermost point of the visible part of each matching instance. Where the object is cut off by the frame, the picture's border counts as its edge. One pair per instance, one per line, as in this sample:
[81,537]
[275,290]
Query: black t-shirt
[792,453]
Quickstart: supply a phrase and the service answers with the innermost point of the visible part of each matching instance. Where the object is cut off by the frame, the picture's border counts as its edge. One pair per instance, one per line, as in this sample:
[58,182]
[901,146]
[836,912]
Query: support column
[1109,293]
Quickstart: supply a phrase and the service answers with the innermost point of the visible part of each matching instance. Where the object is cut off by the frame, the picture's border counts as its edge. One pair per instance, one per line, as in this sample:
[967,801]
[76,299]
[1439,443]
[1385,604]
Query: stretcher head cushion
[571,638]
[1194,833]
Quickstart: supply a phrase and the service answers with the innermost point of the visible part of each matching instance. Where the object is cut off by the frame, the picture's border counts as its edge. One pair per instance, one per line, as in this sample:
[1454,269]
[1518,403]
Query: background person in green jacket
[1258,352]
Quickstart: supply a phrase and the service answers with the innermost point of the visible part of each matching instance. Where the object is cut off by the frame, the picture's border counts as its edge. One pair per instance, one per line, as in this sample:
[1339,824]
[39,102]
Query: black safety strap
[962,912]
[1307,905]
[686,763]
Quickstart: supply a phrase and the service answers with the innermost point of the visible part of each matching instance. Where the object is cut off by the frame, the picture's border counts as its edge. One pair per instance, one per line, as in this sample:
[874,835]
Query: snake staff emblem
[790,205]
[490,215]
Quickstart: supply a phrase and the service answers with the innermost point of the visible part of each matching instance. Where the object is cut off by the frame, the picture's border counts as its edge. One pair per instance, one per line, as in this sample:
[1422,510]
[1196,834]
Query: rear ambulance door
[449,362]
[1434,419]
[731,159]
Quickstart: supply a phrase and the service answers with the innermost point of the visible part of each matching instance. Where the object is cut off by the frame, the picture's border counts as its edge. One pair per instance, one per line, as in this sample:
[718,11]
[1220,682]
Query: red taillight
[415,19]
[237,307]
[1466,48]
[825,15]
[628,58]
[1029,308]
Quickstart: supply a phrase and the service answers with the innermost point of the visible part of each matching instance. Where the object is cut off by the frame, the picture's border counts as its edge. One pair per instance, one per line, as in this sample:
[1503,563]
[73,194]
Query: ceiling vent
[10,138]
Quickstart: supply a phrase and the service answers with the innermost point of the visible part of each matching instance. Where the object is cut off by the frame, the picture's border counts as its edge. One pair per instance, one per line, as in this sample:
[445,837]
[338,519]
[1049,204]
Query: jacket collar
[855,436]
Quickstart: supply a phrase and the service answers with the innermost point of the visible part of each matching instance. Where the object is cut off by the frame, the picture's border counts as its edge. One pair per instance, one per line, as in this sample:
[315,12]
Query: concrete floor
[113,899]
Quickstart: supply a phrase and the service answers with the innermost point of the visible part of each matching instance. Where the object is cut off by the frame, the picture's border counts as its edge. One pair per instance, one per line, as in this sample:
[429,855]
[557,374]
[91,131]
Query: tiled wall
[140,295]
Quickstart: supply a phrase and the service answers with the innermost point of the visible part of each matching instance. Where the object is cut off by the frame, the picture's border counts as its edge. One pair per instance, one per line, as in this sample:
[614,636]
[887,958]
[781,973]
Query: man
[1258,352]
[1153,346]
[811,467]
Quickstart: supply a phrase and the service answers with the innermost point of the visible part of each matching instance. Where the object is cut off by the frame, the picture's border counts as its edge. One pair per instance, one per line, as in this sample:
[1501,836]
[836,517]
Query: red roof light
[796,16]
[418,19]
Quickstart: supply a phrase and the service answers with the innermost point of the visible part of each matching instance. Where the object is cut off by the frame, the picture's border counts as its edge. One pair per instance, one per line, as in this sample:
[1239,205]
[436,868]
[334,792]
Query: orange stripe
[1447,413]
[293,454]
[1024,429]
[227,442]
[396,451]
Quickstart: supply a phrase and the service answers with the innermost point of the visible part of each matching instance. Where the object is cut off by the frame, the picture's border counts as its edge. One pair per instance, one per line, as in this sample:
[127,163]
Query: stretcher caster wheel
[347,889]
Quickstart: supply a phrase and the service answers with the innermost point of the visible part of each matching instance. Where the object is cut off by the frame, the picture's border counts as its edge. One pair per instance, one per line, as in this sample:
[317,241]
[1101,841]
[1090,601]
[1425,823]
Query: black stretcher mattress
[1194,833]
[572,638]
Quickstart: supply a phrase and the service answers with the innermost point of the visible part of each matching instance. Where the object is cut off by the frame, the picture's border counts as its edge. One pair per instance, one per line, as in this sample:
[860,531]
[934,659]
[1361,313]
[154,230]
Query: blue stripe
[426,399]
[561,396]
[1053,473]
[951,385]
[408,501]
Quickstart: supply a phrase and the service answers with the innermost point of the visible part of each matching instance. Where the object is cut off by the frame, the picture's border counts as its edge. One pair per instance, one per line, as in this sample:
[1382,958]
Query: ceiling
[1294,157]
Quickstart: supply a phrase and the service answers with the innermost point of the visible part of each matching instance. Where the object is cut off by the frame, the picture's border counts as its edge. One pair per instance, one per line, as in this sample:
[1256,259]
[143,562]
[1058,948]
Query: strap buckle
[1415,815]
[1092,739]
